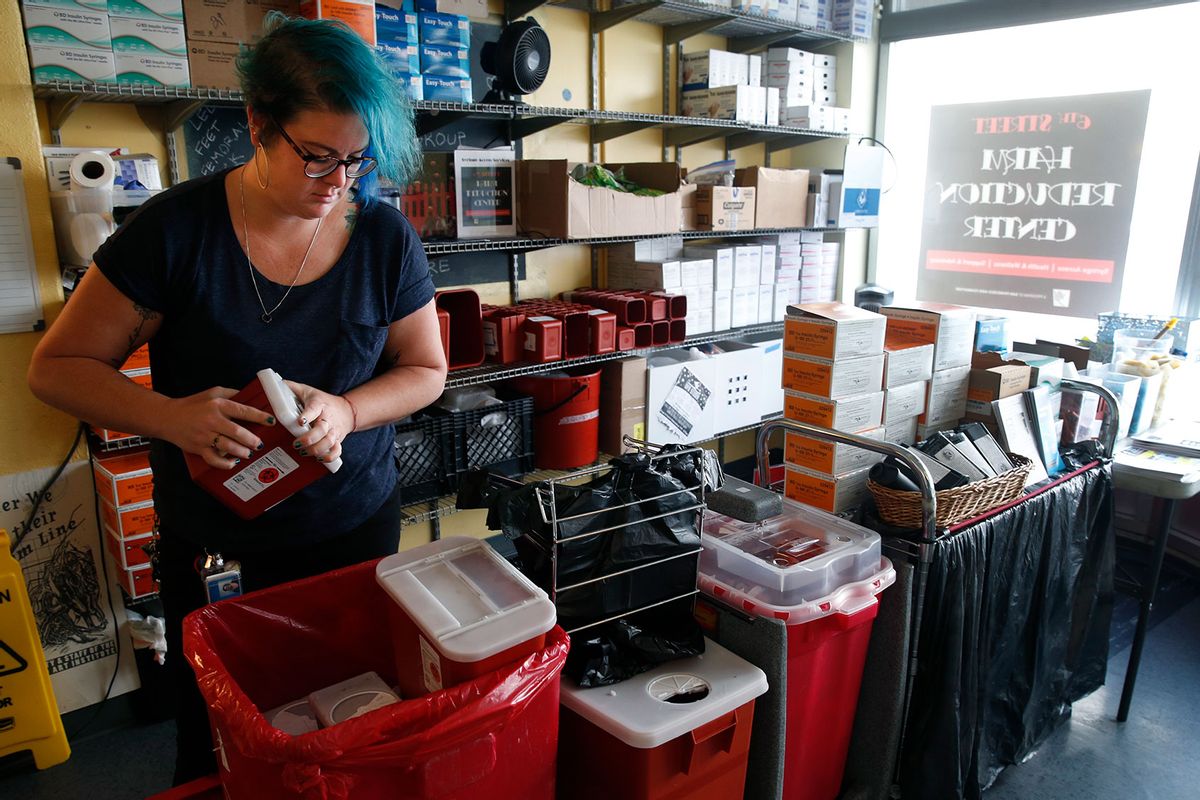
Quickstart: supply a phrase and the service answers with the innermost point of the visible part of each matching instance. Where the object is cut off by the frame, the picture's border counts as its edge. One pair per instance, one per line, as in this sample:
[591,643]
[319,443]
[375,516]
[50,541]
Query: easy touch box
[833,330]
[828,457]
[906,401]
[395,27]
[826,377]
[153,70]
[832,493]
[402,58]
[850,414]
[906,363]
[459,611]
[445,89]
[448,29]
[67,64]
[949,328]
[444,60]
[946,400]
[168,10]
[71,28]
[148,37]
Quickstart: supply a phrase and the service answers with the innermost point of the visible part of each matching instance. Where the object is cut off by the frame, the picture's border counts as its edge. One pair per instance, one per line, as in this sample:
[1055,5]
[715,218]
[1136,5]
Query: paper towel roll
[91,171]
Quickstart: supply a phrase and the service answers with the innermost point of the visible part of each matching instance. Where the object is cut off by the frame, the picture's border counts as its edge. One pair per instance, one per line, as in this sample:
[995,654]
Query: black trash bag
[1015,629]
[691,466]
[616,651]
[1080,454]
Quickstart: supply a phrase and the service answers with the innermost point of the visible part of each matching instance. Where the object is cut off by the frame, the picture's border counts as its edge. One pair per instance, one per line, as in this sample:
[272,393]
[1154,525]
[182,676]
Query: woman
[279,263]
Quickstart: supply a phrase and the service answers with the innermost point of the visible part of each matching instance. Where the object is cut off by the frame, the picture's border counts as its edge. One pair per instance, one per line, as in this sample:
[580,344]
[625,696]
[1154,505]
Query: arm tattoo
[394,361]
[144,315]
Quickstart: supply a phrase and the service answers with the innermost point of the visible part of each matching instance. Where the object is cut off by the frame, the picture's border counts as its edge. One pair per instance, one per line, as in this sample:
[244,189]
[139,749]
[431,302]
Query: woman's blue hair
[322,64]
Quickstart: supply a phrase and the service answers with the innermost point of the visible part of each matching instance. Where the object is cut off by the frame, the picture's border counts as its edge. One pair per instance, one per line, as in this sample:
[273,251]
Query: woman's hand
[206,424]
[330,419]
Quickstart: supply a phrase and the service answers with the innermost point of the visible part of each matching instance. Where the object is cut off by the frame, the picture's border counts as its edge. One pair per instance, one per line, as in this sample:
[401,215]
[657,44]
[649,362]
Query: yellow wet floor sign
[29,718]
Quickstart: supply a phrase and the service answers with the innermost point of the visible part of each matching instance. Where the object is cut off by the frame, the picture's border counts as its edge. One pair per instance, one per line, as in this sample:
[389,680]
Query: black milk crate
[425,458]
[496,438]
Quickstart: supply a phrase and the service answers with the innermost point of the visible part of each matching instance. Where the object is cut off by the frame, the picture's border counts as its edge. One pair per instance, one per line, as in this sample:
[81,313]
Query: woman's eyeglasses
[320,166]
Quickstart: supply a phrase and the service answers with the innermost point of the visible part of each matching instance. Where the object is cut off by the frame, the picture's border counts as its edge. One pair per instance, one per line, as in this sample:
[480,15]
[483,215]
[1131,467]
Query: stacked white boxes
[819,269]
[69,43]
[722,260]
[723,85]
[907,370]
[832,374]
[807,89]
[854,17]
[950,331]
[149,42]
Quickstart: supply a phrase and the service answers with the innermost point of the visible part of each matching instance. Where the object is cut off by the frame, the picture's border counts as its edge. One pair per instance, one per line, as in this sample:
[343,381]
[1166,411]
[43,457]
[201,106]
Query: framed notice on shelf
[484,193]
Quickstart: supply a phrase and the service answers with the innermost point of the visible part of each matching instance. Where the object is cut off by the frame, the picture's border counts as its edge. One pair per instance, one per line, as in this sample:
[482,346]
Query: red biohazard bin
[821,575]
[681,730]
[566,417]
[458,611]
[495,735]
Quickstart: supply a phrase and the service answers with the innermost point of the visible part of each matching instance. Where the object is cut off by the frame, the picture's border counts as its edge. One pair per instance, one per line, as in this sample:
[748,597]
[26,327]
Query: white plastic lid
[466,599]
[848,599]
[287,408]
[797,556]
[646,711]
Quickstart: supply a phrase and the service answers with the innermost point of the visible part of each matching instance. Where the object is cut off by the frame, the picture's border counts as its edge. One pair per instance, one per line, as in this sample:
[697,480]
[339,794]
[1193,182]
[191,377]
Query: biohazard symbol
[268,475]
[10,662]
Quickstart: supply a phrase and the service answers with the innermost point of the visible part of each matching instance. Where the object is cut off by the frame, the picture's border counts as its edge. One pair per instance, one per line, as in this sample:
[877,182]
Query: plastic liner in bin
[618,650]
[493,736]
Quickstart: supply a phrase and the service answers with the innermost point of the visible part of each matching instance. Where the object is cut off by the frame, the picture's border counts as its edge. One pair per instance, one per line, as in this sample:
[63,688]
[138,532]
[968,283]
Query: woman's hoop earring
[258,171]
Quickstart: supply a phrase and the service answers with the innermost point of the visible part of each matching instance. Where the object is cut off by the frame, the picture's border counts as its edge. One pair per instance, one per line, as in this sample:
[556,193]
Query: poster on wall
[59,553]
[1028,202]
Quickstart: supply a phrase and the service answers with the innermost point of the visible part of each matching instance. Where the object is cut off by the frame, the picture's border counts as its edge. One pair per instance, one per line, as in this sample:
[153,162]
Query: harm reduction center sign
[1028,202]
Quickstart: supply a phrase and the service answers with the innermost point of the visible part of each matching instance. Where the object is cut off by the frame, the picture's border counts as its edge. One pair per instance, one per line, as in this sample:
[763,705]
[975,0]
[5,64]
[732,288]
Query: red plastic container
[543,339]
[466,327]
[626,338]
[602,331]
[503,339]
[493,737]
[443,318]
[566,418]
[644,738]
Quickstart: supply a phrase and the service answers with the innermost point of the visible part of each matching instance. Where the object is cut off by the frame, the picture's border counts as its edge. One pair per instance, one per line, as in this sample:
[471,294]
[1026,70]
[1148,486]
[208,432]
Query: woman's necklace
[267,315]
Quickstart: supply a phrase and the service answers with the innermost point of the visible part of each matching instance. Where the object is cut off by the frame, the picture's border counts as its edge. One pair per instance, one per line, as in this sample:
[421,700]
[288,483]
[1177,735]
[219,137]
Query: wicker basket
[903,509]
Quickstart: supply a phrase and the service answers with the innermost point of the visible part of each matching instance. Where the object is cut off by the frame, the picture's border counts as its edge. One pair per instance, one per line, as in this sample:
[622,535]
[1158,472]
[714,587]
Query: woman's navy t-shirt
[178,255]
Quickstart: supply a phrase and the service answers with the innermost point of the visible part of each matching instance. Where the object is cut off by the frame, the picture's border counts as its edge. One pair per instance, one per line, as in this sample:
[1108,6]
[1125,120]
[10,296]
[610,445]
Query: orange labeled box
[128,553]
[358,14]
[832,330]
[832,493]
[834,459]
[124,480]
[131,521]
[850,414]
[949,328]
[826,377]
[139,582]
[139,359]
[106,435]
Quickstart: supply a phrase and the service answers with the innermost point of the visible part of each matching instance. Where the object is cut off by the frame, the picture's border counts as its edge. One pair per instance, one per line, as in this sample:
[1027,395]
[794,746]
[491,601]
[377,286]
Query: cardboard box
[358,14]
[950,329]
[770,360]
[850,414]
[722,258]
[129,521]
[168,10]
[138,582]
[902,431]
[658,275]
[779,195]
[66,64]
[445,60]
[906,363]
[622,403]
[124,480]
[707,69]
[946,399]
[991,379]
[826,377]
[149,37]
[151,70]
[231,20]
[551,204]
[445,29]
[128,553]
[906,401]
[213,64]
[832,330]
[725,208]
[680,397]
[832,493]
[67,27]
[827,457]
[738,384]
[476,9]
[1043,369]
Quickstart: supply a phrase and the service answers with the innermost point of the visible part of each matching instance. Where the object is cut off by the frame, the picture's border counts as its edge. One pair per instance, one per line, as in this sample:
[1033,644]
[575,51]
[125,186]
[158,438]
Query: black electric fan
[519,61]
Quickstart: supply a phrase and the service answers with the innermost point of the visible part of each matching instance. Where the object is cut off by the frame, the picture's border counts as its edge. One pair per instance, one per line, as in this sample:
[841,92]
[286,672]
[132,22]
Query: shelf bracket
[428,123]
[60,110]
[787,142]
[607,131]
[179,112]
[750,44]
[527,126]
[754,137]
[674,34]
[682,137]
[515,9]
[603,20]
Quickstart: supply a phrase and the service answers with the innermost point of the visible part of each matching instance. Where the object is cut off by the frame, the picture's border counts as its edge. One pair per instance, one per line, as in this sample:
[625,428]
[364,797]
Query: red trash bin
[821,576]
[492,736]
[566,417]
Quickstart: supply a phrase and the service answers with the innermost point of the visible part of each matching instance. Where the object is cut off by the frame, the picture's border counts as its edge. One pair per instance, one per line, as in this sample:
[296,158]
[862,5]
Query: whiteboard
[20,297]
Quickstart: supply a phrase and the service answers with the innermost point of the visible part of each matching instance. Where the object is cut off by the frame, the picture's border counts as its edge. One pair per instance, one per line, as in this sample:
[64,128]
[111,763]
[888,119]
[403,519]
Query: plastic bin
[828,600]
[497,438]
[566,417]
[681,730]
[493,736]
[459,610]
[425,460]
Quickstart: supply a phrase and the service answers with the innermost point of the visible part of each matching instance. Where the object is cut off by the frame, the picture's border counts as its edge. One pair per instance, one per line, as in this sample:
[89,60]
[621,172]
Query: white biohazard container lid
[466,599]
[797,556]
[670,700]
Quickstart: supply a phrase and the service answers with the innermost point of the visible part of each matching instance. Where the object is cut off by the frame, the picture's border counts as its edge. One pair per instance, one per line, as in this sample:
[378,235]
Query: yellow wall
[631,64]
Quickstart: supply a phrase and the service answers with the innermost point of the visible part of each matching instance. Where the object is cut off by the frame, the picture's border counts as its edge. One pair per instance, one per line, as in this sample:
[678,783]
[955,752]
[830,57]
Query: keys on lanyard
[222,579]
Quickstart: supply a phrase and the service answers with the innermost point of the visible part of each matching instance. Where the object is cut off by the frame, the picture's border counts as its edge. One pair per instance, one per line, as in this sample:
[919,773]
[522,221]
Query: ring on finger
[216,440]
